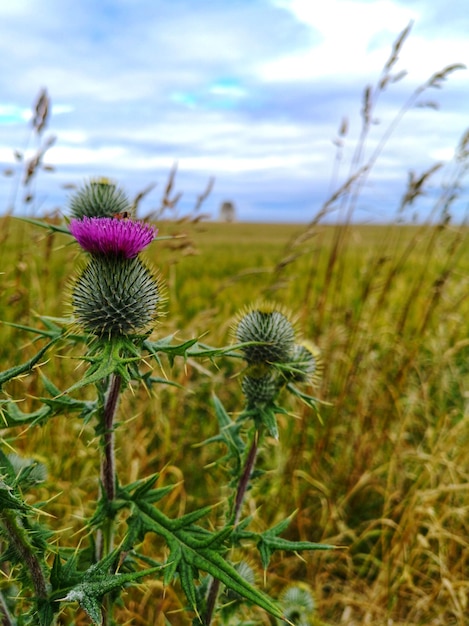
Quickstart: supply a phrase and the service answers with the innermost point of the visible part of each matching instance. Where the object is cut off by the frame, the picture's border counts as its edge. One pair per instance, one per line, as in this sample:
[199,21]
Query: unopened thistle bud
[99,198]
[305,363]
[273,331]
[260,386]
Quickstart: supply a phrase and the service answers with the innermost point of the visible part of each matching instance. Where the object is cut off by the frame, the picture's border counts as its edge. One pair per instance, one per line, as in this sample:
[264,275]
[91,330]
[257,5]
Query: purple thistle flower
[109,236]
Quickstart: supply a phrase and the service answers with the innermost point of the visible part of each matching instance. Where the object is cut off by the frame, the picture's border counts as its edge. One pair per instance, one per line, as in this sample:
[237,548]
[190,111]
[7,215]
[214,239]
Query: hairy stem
[236,514]
[20,542]
[245,477]
[105,538]
[108,469]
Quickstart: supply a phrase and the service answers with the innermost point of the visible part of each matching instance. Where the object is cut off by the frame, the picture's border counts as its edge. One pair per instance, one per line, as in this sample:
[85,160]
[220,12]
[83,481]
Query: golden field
[384,473]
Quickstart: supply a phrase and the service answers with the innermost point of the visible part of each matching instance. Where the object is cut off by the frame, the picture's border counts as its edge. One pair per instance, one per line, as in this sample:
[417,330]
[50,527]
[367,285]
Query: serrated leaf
[201,350]
[143,490]
[173,561]
[171,350]
[52,331]
[190,348]
[229,435]
[189,553]
[269,541]
[65,574]
[269,421]
[150,380]
[45,612]
[187,574]
[310,401]
[9,499]
[62,403]
[277,543]
[109,357]
[6,468]
[11,415]
[215,565]
[190,518]
[24,368]
[97,582]
[29,472]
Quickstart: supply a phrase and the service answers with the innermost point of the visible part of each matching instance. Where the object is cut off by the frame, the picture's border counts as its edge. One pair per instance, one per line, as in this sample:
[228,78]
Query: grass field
[386,472]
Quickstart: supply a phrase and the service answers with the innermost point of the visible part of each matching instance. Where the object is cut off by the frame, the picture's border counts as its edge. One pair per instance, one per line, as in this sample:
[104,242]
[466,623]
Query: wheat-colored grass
[385,474]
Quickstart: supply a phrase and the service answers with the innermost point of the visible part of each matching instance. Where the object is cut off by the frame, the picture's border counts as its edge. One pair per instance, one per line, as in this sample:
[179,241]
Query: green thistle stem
[20,542]
[245,477]
[108,469]
[238,503]
[105,539]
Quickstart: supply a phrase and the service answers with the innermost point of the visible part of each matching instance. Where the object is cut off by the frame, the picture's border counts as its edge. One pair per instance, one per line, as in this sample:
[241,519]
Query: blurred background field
[384,474]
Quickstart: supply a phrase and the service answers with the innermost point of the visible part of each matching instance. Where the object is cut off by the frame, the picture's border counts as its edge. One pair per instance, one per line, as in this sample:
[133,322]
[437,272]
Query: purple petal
[108,236]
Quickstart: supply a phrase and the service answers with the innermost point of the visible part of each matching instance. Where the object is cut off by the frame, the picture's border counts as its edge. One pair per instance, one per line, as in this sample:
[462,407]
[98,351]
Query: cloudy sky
[250,92]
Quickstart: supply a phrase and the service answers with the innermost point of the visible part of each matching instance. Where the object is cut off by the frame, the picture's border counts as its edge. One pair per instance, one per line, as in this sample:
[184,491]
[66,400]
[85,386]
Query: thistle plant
[116,300]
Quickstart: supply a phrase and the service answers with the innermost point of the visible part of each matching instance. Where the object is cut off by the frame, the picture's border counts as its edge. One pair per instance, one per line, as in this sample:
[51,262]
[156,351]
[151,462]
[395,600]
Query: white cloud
[19,8]
[62,155]
[251,91]
[350,39]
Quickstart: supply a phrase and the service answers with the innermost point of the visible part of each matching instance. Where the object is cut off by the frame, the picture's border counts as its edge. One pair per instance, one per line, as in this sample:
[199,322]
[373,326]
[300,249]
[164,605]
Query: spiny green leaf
[65,575]
[189,553]
[24,368]
[97,581]
[150,380]
[229,435]
[136,530]
[268,420]
[269,541]
[187,574]
[214,564]
[190,518]
[310,401]
[277,543]
[11,415]
[173,561]
[200,350]
[190,348]
[6,468]
[10,500]
[28,472]
[52,331]
[164,346]
[53,228]
[143,490]
[62,403]
[109,357]
[46,611]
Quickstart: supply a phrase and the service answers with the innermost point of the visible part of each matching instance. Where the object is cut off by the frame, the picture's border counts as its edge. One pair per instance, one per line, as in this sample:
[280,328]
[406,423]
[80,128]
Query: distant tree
[227,211]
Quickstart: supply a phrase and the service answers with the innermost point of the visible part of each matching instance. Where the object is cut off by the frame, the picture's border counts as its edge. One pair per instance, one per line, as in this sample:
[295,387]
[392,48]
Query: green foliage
[93,578]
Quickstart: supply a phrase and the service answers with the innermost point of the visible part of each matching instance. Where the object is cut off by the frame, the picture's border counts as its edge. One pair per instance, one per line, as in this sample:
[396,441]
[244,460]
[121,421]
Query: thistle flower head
[99,198]
[107,236]
[116,296]
[271,327]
